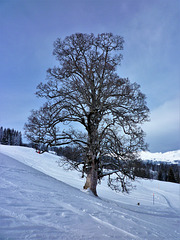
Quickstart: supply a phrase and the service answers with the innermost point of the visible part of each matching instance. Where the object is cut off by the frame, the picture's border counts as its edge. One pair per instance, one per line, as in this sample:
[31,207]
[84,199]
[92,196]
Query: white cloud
[163,131]
[164,119]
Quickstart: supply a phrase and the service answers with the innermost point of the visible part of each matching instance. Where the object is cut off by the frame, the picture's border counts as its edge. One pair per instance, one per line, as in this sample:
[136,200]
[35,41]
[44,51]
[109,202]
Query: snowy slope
[169,157]
[34,205]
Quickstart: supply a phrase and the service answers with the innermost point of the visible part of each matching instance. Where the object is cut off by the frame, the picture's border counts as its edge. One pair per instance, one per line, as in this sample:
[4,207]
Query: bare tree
[108,110]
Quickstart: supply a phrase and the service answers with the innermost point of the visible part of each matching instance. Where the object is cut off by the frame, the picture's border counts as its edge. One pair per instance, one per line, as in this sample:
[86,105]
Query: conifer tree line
[144,169]
[158,170]
[10,137]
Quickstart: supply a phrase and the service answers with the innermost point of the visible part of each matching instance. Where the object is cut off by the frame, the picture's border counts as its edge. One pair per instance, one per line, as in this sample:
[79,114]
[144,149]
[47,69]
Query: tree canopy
[103,110]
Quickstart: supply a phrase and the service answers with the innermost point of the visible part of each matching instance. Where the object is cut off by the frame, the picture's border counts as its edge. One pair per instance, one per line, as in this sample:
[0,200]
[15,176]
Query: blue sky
[151,52]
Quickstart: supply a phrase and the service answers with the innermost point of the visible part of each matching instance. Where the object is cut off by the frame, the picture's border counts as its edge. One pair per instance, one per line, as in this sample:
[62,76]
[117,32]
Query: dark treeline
[158,170]
[145,169]
[10,137]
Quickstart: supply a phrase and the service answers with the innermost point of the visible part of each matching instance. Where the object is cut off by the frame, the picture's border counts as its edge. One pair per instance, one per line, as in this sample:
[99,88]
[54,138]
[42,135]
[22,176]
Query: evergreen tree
[1,134]
[160,176]
[171,177]
[10,137]
[5,138]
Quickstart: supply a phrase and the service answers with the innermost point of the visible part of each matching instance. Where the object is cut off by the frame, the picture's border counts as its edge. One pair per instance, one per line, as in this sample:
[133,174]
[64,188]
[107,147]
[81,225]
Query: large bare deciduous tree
[105,112]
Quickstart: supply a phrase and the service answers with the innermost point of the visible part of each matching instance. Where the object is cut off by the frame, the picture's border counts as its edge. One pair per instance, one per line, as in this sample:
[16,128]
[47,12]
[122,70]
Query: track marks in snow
[109,225]
[36,206]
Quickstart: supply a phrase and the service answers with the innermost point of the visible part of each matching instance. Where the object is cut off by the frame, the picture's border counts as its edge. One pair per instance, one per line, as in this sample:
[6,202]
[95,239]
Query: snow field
[39,200]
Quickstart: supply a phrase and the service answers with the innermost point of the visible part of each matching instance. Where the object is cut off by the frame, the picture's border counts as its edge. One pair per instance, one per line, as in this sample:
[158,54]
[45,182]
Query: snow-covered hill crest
[168,157]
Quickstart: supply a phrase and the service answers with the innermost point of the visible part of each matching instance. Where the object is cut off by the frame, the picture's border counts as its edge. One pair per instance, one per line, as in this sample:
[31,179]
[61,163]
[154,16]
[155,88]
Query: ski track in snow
[39,207]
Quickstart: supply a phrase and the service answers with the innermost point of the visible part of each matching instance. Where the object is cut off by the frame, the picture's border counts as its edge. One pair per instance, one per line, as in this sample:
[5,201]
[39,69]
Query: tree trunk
[91,180]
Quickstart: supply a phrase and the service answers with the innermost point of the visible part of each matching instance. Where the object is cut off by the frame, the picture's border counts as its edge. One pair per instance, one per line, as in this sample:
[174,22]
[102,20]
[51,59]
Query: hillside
[40,200]
[168,157]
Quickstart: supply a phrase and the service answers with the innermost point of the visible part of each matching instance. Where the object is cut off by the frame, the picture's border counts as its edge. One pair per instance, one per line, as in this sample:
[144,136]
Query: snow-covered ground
[41,201]
[169,157]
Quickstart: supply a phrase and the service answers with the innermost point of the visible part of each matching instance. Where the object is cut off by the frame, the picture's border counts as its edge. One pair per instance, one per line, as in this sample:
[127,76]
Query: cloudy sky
[151,53]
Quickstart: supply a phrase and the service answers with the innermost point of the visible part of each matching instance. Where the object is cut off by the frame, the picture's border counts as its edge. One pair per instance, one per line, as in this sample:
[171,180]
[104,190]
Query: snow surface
[169,157]
[40,200]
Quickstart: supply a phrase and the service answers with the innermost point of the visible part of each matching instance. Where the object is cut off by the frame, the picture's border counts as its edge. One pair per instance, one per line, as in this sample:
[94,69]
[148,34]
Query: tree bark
[91,179]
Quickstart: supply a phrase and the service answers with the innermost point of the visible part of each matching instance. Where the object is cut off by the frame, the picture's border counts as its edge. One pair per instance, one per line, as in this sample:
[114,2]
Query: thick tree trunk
[91,180]
[92,128]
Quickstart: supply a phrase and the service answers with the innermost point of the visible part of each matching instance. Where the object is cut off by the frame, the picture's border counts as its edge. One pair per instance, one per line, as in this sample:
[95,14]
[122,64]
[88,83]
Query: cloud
[163,129]
[165,118]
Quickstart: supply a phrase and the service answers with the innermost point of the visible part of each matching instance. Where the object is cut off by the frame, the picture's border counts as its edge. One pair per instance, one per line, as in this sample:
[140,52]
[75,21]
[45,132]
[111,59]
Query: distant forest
[145,169]
[10,137]
[148,169]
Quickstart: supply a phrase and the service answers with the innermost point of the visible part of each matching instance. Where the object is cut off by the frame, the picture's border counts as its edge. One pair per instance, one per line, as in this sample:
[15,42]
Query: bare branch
[86,91]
